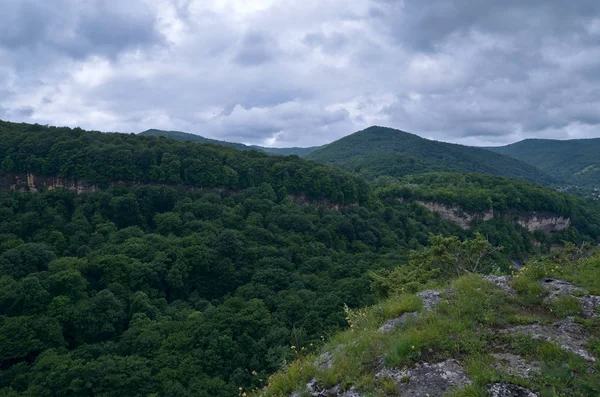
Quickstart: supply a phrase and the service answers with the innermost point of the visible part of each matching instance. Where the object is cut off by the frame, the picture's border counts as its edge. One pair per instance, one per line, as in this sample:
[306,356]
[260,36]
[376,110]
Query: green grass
[463,327]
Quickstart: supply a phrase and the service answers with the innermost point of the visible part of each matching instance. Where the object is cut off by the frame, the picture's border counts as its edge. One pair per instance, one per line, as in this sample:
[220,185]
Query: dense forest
[380,151]
[477,193]
[575,161]
[187,137]
[162,288]
[100,158]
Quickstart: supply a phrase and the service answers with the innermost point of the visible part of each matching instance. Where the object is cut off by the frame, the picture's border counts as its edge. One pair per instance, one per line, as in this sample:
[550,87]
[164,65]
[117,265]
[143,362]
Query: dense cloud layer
[305,72]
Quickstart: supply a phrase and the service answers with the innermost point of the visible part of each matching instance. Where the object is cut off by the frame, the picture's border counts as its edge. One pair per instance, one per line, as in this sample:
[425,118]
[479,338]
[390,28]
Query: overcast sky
[305,72]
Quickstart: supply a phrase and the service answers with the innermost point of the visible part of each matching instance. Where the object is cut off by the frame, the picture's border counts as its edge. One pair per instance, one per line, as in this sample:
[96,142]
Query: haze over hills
[384,151]
[186,136]
[575,161]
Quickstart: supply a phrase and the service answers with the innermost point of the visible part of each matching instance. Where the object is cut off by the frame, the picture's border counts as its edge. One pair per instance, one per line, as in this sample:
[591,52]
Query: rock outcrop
[456,214]
[589,304]
[534,221]
[430,299]
[425,379]
[566,334]
[508,390]
[547,224]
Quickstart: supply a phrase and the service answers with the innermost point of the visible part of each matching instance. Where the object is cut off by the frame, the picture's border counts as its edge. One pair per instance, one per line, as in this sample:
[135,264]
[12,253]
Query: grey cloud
[331,43]
[76,29]
[469,71]
[256,48]
[425,25]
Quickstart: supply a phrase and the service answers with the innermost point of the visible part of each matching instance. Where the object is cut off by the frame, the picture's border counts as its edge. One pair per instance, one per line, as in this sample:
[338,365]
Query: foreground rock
[566,334]
[398,322]
[517,366]
[509,390]
[558,288]
[430,299]
[427,379]
[315,390]
[503,283]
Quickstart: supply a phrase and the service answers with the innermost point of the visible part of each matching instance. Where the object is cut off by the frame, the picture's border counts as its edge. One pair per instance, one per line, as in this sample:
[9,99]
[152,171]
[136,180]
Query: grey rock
[589,305]
[502,282]
[397,322]
[557,288]
[430,298]
[568,335]
[509,390]
[324,361]
[425,379]
[315,390]
[517,366]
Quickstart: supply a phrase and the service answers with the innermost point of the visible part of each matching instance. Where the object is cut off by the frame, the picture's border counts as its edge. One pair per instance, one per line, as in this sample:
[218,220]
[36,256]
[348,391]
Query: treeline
[100,158]
[134,291]
[478,193]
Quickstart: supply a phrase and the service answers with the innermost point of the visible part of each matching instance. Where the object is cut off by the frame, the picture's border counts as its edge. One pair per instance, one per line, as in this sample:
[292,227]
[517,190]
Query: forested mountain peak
[573,161]
[378,151]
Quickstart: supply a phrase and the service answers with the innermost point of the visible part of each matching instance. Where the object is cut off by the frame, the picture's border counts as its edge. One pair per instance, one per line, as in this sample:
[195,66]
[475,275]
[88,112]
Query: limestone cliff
[532,221]
[456,214]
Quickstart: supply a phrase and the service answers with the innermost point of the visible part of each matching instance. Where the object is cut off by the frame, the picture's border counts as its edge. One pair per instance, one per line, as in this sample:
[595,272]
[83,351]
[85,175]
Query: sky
[305,72]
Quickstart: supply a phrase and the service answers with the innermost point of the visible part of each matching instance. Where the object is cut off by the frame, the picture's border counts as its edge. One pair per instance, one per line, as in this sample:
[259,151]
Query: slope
[575,161]
[534,334]
[385,151]
[185,136]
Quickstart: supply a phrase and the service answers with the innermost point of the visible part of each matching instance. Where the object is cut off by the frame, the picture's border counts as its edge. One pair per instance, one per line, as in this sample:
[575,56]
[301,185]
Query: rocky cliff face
[547,223]
[32,183]
[456,214]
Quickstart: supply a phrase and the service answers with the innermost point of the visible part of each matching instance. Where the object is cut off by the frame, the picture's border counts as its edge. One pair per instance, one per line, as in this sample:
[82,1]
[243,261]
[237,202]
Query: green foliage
[380,151]
[178,290]
[187,137]
[444,257]
[476,193]
[574,161]
[464,327]
[102,158]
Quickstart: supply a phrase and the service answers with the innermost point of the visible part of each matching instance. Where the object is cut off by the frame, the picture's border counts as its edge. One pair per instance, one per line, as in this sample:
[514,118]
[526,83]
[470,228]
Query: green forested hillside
[157,288]
[101,157]
[477,192]
[185,136]
[575,161]
[384,151]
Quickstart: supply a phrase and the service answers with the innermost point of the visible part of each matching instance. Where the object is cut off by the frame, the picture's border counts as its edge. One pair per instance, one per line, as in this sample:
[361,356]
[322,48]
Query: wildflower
[293,347]
[254,373]
[244,394]
[412,347]
[240,388]
[302,348]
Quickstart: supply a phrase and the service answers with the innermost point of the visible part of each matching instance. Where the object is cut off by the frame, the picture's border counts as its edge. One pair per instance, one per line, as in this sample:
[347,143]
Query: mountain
[185,136]
[136,265]
[575,161]
[379,151]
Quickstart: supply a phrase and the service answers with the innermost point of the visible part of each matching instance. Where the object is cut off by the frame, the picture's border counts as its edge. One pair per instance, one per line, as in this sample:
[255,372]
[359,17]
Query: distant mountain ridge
[186,136]
[379,151]
[574,161]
